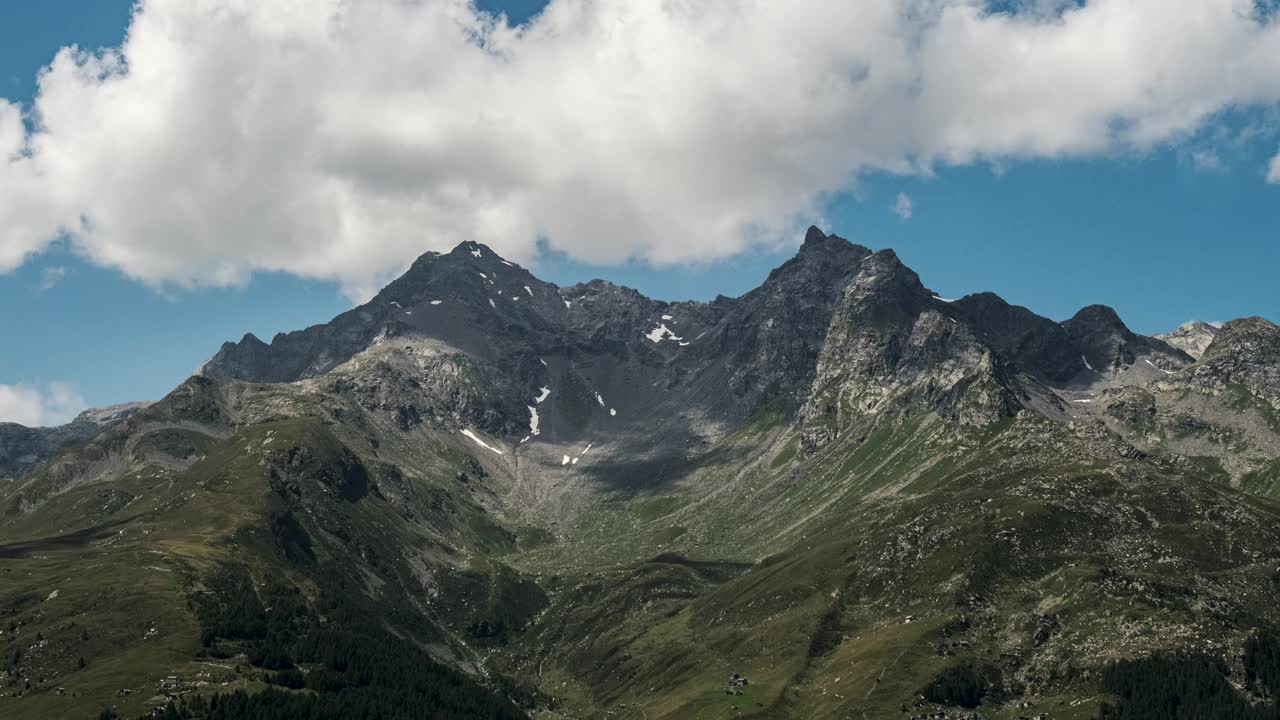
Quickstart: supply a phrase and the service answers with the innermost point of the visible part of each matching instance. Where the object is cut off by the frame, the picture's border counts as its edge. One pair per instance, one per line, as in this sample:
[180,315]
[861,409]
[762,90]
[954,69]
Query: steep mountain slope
[867,500]
[1223,412]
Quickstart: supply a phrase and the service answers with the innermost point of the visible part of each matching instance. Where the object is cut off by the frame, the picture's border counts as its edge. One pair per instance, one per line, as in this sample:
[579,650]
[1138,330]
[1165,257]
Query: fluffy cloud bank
[340,139]
[53,404]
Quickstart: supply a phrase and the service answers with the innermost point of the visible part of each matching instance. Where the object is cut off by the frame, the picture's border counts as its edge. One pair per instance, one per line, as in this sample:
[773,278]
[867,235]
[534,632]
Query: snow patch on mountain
[662,332]
[472,436]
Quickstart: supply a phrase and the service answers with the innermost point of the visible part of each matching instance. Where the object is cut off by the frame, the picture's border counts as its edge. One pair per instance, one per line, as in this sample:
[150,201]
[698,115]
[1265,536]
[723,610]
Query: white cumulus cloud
[338,139]
[901,206]
[1273,172]
[54,403]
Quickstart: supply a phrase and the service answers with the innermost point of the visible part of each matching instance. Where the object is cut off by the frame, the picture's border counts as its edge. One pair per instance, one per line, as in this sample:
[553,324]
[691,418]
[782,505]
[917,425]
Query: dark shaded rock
[1107,344]
[325,463]
[1035,344]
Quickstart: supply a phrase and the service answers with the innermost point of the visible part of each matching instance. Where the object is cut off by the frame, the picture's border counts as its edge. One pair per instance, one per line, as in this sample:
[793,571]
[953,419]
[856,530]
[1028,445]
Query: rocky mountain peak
[892,347]
[814,235]
[817,242]
[471,271]
[1244,352]
[1247,341]
[835,312]
[1193,338]
[1094,318]
[1250,327]
[1107,345]
[823,260]
[886,290]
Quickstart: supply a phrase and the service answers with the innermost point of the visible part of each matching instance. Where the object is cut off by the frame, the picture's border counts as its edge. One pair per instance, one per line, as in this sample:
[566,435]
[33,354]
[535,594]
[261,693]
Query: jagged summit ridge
[471,283]
[475,301]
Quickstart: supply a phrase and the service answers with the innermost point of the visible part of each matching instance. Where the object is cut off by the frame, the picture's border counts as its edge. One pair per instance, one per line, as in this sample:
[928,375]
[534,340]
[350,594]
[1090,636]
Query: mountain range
[839,495]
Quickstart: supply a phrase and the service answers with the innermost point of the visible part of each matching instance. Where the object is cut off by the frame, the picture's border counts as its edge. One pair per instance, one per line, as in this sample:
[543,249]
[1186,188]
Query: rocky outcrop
[1035,344]
[1244,352]
[21,447]
[412,384]
[773,336]
[891,346]
[1192,338]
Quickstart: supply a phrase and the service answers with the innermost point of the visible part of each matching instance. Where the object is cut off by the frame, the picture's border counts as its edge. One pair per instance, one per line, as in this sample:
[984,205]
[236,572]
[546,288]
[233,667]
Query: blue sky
[1162,234]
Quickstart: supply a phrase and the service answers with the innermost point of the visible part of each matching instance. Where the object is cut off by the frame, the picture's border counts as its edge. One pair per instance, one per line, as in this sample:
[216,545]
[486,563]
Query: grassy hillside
[851,582]
[308,547]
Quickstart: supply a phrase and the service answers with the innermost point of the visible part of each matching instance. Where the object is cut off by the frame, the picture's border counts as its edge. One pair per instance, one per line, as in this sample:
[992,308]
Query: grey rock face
[22,447]
[1193,338]
[892,345]
[1244,352]
[1093,347]
[773,335]
[415,386]
[1036,344]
